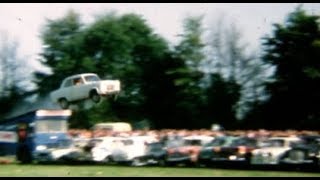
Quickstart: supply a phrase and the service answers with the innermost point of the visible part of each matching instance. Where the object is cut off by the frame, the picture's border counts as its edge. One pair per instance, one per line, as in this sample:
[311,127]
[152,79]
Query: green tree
[162,92]
[233,75]
[222,96]
[62,52]
[189,93]
[114,47]
[294,50]
[124,47]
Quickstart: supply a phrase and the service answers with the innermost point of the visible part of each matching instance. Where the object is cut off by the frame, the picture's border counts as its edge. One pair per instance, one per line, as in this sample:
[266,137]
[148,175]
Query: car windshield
[91,78]
[273,143]
[154,147]
[65,143]
[50,126]
[217,142]
[95,142]
[174,143]
[192,142]
[127,142]
[244,142]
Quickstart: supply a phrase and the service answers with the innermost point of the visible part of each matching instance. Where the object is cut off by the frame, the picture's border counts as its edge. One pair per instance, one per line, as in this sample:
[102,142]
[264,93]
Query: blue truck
[39,135]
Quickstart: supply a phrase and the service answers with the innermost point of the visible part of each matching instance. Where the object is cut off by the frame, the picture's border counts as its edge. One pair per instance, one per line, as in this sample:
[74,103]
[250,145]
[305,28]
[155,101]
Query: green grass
[16,170]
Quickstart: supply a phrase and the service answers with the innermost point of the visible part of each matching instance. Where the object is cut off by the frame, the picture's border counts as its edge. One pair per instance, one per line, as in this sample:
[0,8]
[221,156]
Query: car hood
[271,150]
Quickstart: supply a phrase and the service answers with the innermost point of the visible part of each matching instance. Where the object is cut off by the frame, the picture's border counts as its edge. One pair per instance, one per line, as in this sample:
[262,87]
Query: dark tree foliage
[189,97]
[295,92]
[222,96]
[62,52]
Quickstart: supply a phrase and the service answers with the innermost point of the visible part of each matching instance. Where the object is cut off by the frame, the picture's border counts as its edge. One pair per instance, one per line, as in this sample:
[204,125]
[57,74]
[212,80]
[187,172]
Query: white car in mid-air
[83,86]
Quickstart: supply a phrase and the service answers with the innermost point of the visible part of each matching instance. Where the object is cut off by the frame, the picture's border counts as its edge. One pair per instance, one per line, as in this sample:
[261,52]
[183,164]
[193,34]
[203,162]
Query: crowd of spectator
[83,133]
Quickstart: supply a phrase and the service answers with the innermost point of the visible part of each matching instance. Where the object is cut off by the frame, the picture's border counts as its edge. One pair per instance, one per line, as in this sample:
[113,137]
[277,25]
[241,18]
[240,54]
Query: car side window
[67,83]
[77,81]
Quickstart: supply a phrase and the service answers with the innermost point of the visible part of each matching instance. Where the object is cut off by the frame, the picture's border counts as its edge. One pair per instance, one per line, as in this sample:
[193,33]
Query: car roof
[142,137]
[201,137]
[82,74]
[285,138]
[310,136]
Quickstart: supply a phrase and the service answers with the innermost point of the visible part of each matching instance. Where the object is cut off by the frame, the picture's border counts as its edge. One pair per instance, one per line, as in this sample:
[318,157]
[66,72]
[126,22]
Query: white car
[55,152]
[272,150]
[104,148]
[83,86]
[132,150]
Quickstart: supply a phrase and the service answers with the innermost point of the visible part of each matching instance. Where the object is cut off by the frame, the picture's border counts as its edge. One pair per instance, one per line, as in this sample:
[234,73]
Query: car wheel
[297,155]
[162,162]
[200,163]
[136,162]
[107,160]
[64,103]
[95,97]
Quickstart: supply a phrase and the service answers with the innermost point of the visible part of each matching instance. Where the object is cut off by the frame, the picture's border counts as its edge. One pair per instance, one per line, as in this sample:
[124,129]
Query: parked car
[114,126]
[273,150]
[83,86]
[237,151]
[81,142]
[103,148]
[207,155]
[305,154]
[131,149]
[56,152]
[186,150]
[155,154]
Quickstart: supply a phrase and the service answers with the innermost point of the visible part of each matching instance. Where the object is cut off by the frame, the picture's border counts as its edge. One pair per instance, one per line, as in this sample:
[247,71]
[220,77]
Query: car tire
[200,164]
[64,104]
[95,97]
[107,160]
[297,155]
[136,162]
[162,162]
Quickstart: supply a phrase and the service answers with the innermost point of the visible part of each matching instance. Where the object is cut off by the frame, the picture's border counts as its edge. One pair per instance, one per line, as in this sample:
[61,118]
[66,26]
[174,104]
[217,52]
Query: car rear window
[91,78]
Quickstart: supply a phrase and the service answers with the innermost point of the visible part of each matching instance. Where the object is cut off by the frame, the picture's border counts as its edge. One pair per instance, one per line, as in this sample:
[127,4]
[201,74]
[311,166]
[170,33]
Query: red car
[186,150]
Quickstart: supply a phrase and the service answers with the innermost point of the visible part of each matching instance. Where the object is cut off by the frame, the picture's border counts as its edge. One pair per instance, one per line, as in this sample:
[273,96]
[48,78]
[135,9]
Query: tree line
[208,77]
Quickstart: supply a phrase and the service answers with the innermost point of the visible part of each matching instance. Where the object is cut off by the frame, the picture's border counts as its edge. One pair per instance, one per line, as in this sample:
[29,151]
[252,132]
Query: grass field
[16,170]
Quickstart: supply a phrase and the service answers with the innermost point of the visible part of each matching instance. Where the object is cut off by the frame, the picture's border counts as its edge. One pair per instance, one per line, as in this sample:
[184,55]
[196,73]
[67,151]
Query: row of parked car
[199,150]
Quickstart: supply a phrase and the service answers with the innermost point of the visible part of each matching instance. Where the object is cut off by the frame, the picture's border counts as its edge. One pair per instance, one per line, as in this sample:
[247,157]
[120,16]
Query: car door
[67,89]
[78,89]
[81,88]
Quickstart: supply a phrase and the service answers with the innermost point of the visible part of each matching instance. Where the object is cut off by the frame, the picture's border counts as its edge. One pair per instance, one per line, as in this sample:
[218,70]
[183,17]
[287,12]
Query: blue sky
[23,21]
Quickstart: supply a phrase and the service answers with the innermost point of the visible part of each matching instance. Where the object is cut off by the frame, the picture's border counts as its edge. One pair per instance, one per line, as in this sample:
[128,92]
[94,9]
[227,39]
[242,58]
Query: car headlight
[41,147]
[312,154]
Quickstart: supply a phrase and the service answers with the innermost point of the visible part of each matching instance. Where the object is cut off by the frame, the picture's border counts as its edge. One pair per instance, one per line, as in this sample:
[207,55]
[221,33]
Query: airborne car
[83,86]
